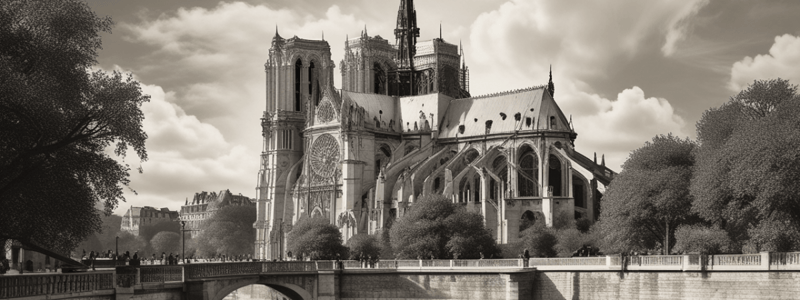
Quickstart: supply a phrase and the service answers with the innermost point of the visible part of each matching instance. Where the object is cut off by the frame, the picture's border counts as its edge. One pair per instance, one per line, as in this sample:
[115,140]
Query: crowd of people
[154,259]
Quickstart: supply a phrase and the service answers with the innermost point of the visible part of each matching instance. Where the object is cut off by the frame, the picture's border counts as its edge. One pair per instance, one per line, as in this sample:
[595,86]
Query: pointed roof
[502,109]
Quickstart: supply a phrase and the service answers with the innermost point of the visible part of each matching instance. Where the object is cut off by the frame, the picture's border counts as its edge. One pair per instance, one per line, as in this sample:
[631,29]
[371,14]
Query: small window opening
[503,116]
[461,129]
[553,123]
[488,126]
[476,119]
[517,117]
[528,122]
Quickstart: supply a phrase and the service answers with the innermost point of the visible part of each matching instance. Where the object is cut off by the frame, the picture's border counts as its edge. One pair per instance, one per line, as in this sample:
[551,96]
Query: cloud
[185,156]
[782,61]
[679,26]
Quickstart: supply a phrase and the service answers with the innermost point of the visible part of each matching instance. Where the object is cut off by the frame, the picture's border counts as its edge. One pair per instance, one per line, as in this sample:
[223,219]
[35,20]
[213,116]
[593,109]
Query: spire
[365,30]
[323,35]
[440,30]
[571,127]
[550,86]
[603,162]
[595,158]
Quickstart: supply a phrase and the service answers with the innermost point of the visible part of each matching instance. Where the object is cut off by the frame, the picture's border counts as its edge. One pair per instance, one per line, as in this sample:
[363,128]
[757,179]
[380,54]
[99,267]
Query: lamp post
[183,241]
[116,246]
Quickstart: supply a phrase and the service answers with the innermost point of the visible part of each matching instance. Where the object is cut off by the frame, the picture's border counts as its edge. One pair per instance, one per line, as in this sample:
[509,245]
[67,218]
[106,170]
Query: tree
[57,119]
[364,246]
[650,197]
[316,238]
[131,243]
[228,231]
[745,180]
[701,239]
[149,231]
[166,241]
[435,226]
[109,231]
[540,241]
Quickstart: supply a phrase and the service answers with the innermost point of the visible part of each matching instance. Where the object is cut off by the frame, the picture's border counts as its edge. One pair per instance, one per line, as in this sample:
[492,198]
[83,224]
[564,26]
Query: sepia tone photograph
[399,149]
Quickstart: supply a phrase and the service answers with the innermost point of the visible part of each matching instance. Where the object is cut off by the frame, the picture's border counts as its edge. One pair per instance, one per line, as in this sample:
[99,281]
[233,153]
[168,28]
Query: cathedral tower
[296,72]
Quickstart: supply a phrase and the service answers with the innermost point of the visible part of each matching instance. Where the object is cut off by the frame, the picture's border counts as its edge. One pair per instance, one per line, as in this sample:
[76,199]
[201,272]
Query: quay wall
[666,285]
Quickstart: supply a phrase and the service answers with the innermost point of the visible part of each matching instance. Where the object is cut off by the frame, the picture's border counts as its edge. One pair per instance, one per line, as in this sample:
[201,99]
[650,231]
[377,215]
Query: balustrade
[569,261]
[288,266]
[160,274]
[54,284]
[196,271]
[737,260]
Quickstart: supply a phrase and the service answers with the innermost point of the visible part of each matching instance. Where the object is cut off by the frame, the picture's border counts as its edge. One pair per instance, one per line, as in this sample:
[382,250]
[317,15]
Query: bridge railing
[722,262]
[198,271]
[288,266]
[54,284]
[154,273]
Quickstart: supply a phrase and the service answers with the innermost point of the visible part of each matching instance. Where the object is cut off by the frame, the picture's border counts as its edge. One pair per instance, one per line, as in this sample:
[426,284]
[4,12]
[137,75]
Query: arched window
[528,175]
[313,83]
[553,123]
[499,167]
[554,177]
[578,191]
[527,220]
[477,189]
[298,70]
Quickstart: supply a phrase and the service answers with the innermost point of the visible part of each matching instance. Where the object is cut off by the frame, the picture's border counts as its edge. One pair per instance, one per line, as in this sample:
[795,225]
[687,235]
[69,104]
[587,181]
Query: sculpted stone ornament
[324,155]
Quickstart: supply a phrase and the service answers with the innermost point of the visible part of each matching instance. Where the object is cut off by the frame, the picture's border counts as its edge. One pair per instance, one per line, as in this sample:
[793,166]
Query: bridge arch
[294,292]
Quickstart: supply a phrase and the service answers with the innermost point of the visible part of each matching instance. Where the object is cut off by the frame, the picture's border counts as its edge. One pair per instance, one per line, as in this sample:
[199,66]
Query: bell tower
[296,73]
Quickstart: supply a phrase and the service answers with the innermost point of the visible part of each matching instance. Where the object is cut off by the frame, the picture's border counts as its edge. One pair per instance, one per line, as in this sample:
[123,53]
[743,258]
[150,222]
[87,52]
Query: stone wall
[428,286]
[171,294]
[666,285]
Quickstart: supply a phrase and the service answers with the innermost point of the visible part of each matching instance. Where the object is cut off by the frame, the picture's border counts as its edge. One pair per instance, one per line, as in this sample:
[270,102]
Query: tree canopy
[148,231]
[650,197]
[364,246]
[747,167]
[435,226]
[316,238]
[166,241]
[57,119]
[228,231]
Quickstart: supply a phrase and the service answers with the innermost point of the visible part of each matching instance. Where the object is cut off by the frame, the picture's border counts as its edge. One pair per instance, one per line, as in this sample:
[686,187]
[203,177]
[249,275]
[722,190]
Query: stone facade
[401,129]
[204,204]
[139,216]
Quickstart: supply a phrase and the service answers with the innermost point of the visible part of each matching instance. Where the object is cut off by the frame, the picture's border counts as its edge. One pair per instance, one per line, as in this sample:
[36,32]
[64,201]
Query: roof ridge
[508,92]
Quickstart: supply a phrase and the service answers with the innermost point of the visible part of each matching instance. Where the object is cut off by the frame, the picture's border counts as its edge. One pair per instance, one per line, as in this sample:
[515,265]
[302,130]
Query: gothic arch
[556,174]
[580,189]
[528,164]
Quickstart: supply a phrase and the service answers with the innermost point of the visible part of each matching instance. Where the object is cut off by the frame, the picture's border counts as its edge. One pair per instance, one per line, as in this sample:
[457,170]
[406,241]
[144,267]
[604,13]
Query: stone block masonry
[425,286]
[666,285]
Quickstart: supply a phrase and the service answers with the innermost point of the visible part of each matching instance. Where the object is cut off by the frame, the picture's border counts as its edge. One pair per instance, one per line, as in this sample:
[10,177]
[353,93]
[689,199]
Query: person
[171,259]
[177,259]
[4,266]
[135,261]
[163,258]
[110,254]
[153,259]
[526,255]
[481,255]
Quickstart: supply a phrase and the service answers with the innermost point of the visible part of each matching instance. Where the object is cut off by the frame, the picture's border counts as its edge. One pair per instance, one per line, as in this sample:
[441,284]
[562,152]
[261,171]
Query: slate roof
[472,113]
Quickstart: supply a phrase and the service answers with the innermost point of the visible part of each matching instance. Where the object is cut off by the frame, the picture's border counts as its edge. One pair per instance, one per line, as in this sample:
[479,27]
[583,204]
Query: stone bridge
[742,276]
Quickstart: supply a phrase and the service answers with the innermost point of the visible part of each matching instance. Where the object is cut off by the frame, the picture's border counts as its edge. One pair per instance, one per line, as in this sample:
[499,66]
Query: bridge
[754,276]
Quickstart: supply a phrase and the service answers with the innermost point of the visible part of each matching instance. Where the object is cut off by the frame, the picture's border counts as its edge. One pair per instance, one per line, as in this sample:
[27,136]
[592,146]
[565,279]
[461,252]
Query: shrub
[435,226]
[701,239]
[539,241]
[364,245]
[316,238]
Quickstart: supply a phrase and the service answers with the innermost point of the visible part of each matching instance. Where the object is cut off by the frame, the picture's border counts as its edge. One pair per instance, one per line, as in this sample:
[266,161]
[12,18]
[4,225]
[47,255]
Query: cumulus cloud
[620,125]
[185,156]
[782,61]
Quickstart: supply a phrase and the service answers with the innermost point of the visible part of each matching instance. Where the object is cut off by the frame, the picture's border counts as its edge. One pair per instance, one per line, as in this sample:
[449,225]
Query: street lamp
[183,240]
[116,247]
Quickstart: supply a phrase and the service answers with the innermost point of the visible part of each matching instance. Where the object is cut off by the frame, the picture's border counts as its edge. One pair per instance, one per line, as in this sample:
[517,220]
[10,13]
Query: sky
[625,70]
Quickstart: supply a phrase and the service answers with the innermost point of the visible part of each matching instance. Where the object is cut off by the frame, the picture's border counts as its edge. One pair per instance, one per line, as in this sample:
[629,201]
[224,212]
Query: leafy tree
[228,231]
[539,241]
[109,231]
[434,225]
[650,198]
[131,243]
[701,239]
[166,241]
[747,167]
[365,245]
[57,118]
[316,238]
[149,231]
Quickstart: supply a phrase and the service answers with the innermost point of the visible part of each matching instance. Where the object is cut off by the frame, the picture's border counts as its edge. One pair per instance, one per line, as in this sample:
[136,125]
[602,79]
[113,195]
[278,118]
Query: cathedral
[402,126]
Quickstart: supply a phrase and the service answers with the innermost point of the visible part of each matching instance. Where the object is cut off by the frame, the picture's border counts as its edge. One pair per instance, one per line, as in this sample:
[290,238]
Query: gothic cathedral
[404,125]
